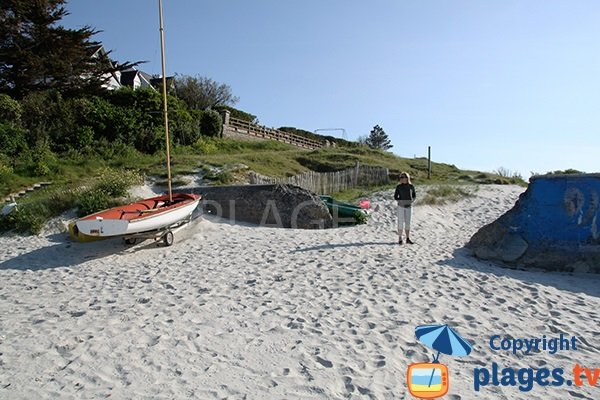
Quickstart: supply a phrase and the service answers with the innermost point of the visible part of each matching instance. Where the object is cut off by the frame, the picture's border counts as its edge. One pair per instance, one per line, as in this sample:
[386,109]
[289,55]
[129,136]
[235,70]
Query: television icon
[427,380]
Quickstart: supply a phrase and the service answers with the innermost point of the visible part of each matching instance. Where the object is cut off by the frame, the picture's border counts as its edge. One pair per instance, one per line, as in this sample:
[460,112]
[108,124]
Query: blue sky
[486,84]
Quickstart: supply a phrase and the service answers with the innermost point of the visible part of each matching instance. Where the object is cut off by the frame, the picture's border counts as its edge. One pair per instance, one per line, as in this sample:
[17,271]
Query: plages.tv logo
[431,380]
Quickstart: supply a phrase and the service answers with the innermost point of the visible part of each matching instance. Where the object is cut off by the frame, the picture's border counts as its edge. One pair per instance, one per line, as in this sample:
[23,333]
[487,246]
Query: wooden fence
[331,182]
[238,126]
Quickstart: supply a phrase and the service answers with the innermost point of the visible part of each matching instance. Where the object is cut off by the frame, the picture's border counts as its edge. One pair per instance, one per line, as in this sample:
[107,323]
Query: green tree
[378,139]
[201,93]
[37,54]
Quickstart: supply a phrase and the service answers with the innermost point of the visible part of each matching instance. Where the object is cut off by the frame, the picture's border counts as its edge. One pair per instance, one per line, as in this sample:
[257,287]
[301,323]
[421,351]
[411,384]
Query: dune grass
[443,194]
[71,171]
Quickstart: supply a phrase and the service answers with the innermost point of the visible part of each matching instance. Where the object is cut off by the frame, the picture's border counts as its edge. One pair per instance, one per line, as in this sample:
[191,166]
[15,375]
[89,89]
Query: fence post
[428,162]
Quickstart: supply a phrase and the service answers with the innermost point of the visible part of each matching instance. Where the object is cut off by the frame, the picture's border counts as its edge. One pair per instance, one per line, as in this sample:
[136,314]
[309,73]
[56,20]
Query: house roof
[128,78]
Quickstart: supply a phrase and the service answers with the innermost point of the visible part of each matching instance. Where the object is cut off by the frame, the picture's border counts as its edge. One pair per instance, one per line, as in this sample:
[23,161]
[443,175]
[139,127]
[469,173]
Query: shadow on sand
[66,253]
[344,245]
[573,282]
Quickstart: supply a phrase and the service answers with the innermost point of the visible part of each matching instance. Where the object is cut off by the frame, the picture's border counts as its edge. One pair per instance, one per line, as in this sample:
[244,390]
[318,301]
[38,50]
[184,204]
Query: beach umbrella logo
[431,380]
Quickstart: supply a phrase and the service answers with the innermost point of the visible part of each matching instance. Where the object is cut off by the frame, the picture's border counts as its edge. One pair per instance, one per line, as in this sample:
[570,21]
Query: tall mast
[164,94]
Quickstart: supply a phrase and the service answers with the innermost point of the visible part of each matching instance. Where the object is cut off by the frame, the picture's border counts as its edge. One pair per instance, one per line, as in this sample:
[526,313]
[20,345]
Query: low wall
[278,205]
[554,225]
[239,129]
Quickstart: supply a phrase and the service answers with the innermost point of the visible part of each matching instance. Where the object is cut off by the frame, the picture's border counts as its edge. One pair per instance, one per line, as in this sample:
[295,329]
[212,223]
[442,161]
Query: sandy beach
[235,311]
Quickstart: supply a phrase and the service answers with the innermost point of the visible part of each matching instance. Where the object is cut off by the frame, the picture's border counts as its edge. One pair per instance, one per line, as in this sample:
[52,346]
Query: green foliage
[569,171]
[378,139]
[360,218]
[353,195]
[35,118]
[229,146]
[37,162]
[206,146]
[32,215]
[10,110]
[136,118]
[116,182]
[13,140]
[306,134]
[201,93]
[184,124]
[110,185]
[5,168]
[28,218]
[319,138]
[39,54]
[211,124]
[126,124]
[443,194]
[94,200]
[224,178]
[334,161]
[238,114]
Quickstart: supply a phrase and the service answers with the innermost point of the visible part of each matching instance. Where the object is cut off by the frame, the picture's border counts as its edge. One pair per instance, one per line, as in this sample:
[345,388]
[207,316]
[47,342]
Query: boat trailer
[165,234]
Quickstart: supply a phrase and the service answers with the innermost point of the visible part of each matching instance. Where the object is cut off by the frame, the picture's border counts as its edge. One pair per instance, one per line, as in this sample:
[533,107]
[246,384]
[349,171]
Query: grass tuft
[439,195]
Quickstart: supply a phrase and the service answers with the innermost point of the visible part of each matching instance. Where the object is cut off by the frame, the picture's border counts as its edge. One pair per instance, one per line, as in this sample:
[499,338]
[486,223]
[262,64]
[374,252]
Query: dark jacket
[405,194]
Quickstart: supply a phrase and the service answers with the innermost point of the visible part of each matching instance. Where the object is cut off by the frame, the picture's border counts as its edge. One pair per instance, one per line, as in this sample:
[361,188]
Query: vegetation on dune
[442,194]
[97,172]
[107,189]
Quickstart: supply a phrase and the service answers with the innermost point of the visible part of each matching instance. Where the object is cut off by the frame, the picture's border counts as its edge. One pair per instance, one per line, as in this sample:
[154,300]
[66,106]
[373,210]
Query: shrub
[82,138]
[31,216]
[205,146]
[5,168]
[38,161]
[111,185]
[10,110]
[224,177]
[13,140]
[211,124]
[93,200]
[443,194]
[116,182]
[184,125]
[26,218]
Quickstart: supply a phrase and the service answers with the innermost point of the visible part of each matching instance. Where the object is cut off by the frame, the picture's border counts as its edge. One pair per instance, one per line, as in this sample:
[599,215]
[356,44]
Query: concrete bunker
[553,226]
[278,205]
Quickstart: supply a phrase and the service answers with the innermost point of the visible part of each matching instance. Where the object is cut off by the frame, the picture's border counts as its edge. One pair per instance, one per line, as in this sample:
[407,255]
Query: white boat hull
[119,227]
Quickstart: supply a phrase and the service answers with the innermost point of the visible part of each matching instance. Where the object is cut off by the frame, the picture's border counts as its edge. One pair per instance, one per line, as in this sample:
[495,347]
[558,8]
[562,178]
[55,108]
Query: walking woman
[405,195]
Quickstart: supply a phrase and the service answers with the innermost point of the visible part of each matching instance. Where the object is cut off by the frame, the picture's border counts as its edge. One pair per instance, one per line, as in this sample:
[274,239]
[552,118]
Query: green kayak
[342,210]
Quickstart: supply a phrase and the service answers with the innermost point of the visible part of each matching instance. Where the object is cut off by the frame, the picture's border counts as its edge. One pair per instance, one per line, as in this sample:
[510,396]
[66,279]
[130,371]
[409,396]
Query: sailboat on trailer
[157,214]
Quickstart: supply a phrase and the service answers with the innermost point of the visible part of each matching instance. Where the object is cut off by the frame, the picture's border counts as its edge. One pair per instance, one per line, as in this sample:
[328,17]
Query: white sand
[242,312]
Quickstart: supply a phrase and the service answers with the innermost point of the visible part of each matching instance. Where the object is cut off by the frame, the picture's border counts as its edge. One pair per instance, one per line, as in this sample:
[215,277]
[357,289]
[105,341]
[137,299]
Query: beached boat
[143,216]
[156,217]
[340,209]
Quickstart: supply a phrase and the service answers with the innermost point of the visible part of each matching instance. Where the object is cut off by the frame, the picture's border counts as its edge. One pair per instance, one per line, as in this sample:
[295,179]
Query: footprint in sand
[324,362]
[348,384]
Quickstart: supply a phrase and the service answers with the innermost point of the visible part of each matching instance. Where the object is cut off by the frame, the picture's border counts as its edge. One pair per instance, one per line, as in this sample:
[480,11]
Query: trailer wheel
[169,238]
[130,241]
